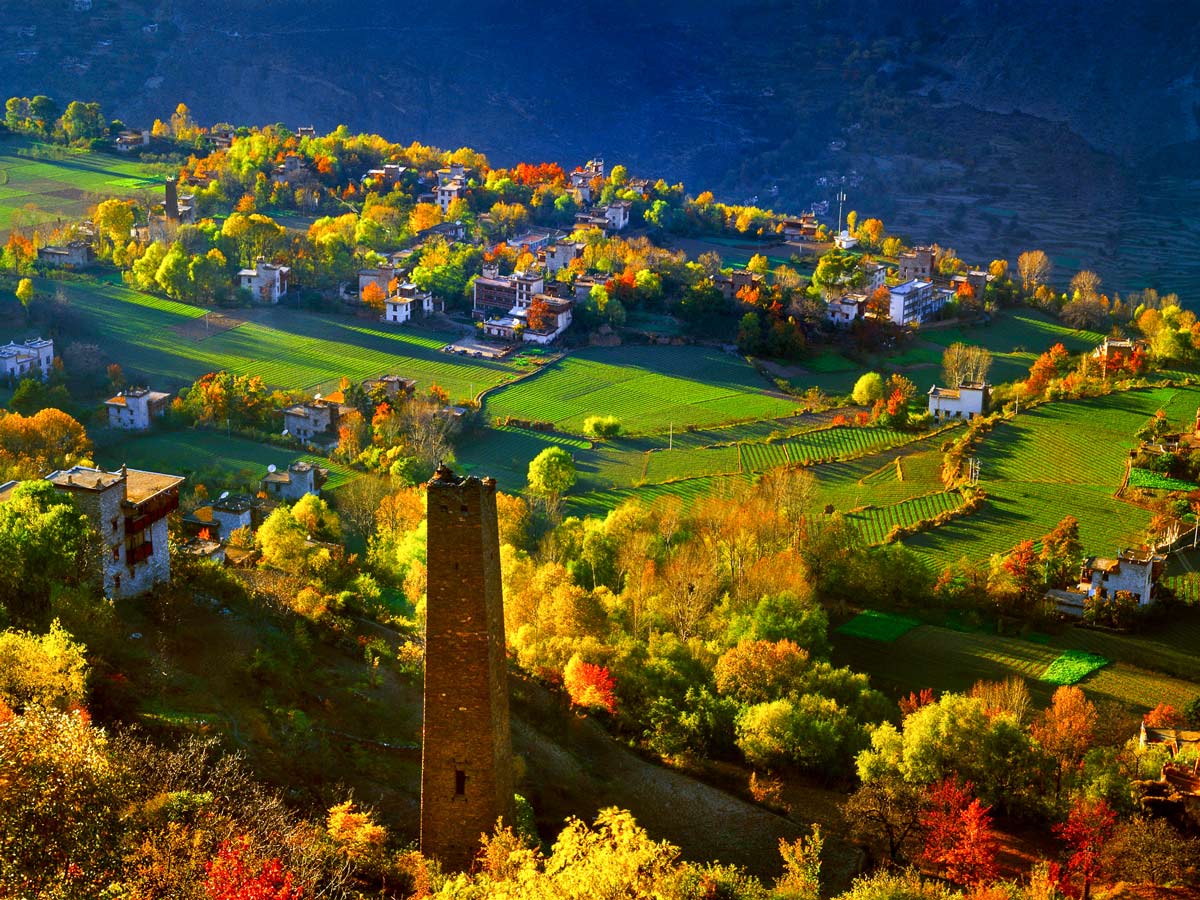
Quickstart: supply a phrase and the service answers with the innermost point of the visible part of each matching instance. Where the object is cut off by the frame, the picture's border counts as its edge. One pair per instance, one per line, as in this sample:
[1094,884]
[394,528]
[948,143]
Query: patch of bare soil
[206,326]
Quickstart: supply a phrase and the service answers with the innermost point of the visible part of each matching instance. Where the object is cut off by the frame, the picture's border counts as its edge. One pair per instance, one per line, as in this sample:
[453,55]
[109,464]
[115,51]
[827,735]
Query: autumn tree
[1064,730]
[759,671]
[914,701]
[959,841]
[1061,552]
[551,474]
[24,293]
[60,806]
[879,304]
[1088,829]
[1085,285]
[231,876]
[1054,363]
[871,233]
[868,389]
[374,296]
[589,686]
[113,220]
[1034,268]
[43,669]
[355,832]
[539,316]
[1164,716]
[962,363]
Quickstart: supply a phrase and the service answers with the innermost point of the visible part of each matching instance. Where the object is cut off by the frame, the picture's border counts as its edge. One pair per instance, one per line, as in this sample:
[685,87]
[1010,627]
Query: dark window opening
[464,508]
[460,783]
[445,508]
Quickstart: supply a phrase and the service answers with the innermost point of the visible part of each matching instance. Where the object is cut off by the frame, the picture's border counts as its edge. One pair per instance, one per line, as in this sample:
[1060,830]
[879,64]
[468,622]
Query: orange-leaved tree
[374,296]
[588,685]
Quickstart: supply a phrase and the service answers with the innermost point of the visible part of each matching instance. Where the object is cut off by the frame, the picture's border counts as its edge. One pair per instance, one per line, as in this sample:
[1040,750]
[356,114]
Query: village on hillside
[840,533]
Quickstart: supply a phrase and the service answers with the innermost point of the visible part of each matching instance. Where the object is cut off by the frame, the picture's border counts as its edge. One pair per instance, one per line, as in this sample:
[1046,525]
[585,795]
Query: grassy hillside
[1056,460]
[161,340]
[64,184]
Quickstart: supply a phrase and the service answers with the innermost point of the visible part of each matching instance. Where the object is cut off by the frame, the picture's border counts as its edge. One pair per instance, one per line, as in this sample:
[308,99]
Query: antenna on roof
[271,467]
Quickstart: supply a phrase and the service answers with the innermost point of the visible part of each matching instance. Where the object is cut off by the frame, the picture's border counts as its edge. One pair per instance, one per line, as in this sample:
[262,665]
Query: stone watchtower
[466,753]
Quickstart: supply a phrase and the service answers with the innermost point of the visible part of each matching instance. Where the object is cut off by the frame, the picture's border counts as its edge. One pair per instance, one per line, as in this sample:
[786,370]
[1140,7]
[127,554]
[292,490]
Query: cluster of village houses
[501,303]
[128,508]
[501,306]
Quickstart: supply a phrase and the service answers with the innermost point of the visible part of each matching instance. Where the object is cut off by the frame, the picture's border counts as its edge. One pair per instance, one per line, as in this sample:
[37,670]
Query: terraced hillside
[1056,460]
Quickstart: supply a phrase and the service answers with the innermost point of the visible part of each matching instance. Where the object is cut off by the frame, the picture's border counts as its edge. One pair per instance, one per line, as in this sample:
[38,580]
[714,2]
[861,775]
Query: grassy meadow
[155,339]
[62,186]
[650,389]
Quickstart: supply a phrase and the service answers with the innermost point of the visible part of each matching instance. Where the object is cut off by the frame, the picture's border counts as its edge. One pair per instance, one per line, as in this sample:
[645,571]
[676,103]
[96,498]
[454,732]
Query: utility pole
[671,437]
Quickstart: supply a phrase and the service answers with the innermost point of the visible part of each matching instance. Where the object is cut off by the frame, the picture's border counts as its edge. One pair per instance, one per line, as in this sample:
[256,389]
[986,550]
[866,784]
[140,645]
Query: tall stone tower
[466,752]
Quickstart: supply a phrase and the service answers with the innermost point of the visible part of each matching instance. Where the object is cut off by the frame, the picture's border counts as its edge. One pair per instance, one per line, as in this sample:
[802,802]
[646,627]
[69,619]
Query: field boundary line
[536,370]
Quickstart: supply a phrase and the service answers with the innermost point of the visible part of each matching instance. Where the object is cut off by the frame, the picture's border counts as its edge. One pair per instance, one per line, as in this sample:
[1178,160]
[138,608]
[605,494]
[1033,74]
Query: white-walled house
[915,301]
[1135,571]
[298,479]
[135,409]
[32,359]
[842,311]
[560,255]
[968,400]
[617,214]
[401,305]
[266,282]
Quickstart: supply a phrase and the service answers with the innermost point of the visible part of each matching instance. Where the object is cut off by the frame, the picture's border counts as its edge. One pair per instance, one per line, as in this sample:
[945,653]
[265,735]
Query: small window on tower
[464,508]
[460,783]
[445,508]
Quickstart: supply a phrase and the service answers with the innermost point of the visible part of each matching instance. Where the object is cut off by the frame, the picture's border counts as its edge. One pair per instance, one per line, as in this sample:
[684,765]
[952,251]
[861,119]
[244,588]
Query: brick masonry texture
[466,757]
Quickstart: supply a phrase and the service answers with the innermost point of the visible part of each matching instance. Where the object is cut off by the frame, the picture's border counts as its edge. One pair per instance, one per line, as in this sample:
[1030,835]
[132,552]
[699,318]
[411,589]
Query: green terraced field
[193,451]
[45,190]
[876,522]
[878,626]
[288,348]
[647,388]
[843,440]
[674,465]
[1144,478]
[947,660]
[1058,459]
[600,503]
